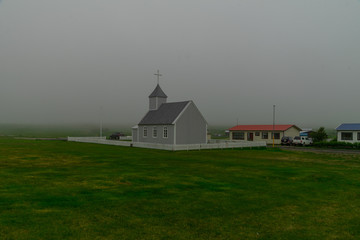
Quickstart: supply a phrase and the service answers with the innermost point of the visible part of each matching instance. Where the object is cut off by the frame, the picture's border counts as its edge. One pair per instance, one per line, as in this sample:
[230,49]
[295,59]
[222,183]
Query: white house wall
[291,132]
[354,133]
[269,140]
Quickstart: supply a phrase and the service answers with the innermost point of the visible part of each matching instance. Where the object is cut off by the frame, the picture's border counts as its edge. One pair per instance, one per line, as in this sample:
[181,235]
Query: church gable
[191,126]
[191,110]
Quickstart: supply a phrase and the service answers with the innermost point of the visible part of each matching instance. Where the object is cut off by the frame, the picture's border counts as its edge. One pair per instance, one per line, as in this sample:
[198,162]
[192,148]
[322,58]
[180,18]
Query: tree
[319,135]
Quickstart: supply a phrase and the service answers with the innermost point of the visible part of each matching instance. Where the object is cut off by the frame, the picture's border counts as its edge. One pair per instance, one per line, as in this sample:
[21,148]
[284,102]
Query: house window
[165,132]
[358,135]
[346,136]
[238,135]
[276,135]
[265,135]
[145,132]
[154,132]
[257,134]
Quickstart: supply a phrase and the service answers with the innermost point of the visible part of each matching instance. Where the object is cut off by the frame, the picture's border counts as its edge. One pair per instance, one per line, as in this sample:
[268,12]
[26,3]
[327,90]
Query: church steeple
[156,98]
[158,92]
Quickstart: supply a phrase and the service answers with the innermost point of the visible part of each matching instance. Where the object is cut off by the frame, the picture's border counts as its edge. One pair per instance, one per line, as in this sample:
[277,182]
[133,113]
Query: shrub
[319,135]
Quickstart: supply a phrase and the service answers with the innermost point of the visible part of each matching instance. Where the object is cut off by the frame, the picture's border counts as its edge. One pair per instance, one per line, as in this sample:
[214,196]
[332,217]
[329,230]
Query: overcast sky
[61,60]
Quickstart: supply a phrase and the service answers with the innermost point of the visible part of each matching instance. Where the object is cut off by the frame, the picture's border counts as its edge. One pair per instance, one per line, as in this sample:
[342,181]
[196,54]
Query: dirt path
[320,150]
[46,139]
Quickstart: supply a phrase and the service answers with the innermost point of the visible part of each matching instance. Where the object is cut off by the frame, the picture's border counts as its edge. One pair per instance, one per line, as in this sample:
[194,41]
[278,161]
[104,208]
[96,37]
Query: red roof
[261,127]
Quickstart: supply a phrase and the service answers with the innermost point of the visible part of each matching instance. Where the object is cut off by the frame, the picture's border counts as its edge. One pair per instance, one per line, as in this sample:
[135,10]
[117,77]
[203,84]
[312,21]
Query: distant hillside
[47,130]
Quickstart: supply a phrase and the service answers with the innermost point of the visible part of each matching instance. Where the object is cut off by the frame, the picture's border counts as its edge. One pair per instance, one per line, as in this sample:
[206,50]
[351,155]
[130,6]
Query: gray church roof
[165,114]
[158,92]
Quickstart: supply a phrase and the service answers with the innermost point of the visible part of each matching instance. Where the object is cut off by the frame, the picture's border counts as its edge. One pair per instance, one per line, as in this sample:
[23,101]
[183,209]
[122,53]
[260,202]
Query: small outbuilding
[263,132]
[348,132]
[306,132]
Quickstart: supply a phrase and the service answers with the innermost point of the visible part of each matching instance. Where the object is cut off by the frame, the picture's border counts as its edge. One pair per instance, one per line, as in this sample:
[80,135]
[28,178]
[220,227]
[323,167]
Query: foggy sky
[61,60]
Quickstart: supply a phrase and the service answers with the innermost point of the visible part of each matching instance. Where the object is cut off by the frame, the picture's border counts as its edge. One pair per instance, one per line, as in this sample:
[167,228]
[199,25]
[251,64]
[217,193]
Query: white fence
[126,138]
[99,141]
[170,147]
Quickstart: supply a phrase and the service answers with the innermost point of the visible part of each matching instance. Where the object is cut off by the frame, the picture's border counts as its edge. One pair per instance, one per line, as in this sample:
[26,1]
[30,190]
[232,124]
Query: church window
[165,132]
[154,132]
[145,132]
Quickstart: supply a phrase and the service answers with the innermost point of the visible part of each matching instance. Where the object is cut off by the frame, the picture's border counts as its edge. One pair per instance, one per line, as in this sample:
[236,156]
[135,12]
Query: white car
[302,141]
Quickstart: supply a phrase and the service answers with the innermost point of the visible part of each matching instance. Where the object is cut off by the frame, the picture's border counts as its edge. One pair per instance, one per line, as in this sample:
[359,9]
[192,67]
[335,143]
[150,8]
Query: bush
[319,135]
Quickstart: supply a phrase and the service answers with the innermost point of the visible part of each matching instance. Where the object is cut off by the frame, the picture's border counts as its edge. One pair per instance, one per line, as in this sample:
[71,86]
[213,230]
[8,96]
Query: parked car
[286,140]
[302,141]
[116,136]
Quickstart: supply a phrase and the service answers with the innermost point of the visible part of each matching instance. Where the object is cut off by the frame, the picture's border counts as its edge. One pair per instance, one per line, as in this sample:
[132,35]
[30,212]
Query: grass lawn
[66,190]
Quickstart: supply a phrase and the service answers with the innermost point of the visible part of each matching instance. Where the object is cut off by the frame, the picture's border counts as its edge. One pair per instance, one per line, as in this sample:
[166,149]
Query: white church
[170,122]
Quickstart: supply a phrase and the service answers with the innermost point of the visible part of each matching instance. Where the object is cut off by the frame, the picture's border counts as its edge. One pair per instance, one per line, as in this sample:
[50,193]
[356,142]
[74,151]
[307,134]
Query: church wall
[155,102]
[191,128]
[134,135]
[159,138]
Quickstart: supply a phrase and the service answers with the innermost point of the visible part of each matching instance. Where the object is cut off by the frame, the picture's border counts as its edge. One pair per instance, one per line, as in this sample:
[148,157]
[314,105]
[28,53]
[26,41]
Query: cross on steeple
[158,76]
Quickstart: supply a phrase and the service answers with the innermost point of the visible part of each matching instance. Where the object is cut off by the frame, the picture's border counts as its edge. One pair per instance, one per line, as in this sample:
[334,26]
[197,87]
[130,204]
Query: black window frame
[263,134]
[347,138]
[238,135]
[276,135]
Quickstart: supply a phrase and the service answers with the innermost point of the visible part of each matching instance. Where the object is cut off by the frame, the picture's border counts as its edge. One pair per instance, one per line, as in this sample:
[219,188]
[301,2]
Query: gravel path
[320,150]
[47,139]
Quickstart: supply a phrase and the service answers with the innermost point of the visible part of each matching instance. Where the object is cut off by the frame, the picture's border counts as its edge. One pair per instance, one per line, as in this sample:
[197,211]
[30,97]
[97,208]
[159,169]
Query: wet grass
[65,190]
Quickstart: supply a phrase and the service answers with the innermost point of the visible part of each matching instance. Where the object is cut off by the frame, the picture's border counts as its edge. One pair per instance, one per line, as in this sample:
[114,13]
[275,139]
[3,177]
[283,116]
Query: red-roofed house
[263,132]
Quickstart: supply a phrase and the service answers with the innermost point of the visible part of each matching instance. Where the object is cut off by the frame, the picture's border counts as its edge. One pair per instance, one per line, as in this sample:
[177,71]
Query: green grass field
[65,190]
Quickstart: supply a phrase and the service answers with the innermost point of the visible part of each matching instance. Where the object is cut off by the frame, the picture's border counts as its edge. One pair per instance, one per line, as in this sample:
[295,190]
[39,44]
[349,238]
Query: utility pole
[273,133]
[101,122]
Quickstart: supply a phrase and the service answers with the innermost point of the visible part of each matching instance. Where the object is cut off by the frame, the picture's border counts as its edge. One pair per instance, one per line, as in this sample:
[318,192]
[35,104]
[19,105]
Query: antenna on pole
[101,122]
[273,133]
[158,76]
